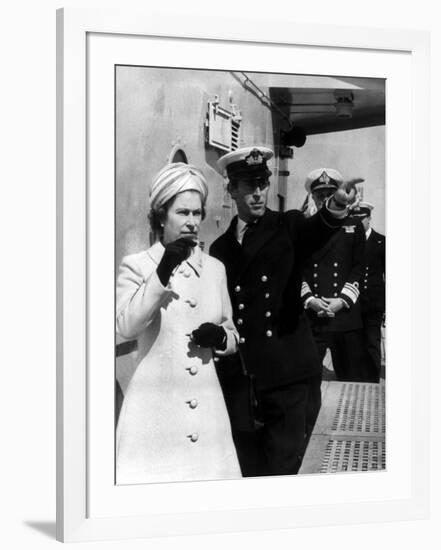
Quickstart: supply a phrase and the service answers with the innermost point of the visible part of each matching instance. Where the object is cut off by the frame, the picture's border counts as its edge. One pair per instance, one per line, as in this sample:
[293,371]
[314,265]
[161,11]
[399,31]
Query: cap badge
[324,178]
[254,158]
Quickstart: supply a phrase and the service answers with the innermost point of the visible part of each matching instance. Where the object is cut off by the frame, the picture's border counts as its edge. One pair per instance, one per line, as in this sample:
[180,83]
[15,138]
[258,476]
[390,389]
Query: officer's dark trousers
[349,356]
[239,399]
[249,453]
[288,415]
[372,337]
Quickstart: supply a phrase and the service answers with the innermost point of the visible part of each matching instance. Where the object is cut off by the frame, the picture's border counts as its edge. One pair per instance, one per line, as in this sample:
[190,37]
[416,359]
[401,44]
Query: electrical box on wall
[222,126]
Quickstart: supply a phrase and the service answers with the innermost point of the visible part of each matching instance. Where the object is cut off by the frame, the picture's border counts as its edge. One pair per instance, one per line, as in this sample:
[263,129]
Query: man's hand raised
[345,194]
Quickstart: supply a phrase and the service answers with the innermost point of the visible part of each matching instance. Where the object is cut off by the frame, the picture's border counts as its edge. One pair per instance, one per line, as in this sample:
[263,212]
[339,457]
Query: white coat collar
[195,261]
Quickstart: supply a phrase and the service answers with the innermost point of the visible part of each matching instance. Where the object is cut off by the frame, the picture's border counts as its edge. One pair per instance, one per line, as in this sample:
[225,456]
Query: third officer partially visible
[372,287]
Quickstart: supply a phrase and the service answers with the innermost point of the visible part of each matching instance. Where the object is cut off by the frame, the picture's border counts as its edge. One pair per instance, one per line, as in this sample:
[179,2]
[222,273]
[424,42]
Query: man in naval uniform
[264,254]
[330,288]
[372,287]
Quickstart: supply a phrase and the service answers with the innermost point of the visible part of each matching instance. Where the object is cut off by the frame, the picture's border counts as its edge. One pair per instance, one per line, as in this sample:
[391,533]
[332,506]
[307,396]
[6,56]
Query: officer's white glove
[345,195]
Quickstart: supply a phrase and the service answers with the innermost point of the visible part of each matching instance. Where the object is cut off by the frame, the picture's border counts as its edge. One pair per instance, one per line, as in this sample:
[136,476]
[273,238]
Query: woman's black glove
[175,253]
[209,335]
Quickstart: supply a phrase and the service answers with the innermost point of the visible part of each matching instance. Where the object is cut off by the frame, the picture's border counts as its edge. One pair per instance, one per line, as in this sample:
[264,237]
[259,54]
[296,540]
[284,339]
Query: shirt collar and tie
[243,227]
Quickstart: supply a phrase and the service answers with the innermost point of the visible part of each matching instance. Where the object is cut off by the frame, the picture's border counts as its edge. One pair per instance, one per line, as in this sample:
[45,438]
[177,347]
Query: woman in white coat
[173,298]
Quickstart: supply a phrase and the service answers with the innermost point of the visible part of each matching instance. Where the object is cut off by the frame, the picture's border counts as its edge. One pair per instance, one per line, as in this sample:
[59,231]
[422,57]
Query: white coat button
[316,295]
[264,278]
[237,288]
[268,314]
[192,302]
[194,437]
[193,403]
[335,284]
[315,275]
[215,359]
[315,265]
[242,340]
[269,333]
[241,306]
[367,268]
[335,264]
[335,274]
[365,287]
[193,370]
[267,295]
[335,295]
[315,285]
[240,321]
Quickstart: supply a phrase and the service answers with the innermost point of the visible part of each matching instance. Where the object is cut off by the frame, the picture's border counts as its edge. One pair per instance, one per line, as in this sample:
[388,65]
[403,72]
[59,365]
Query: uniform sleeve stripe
[306,296]
[350,292]
[352,287]
[305,289]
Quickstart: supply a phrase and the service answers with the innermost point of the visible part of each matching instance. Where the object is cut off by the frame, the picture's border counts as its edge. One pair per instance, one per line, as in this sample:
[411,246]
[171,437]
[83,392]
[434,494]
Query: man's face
[250,196]
[320,196]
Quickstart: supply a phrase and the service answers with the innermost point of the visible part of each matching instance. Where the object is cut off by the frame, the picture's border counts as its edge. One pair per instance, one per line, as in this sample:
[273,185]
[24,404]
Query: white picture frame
[407,495]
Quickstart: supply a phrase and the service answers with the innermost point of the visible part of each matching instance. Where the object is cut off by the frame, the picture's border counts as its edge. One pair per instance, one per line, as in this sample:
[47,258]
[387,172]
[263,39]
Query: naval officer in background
[277,364]
[332,278]
[372,288]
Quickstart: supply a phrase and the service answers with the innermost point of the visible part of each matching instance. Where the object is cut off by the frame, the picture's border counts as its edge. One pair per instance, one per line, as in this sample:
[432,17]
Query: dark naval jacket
[276,345]
[372,285]
[335,271]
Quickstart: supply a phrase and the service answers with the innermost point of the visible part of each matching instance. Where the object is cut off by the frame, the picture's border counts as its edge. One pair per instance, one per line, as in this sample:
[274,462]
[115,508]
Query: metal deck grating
[353,456]
[349,435]
[360,409]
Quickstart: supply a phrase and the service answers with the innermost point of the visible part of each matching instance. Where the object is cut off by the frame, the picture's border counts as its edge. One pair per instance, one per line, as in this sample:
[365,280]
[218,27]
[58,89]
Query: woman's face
[183,218]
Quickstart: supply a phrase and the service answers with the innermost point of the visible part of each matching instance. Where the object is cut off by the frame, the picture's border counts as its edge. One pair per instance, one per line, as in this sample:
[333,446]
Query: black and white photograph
[250,276]
[203,347]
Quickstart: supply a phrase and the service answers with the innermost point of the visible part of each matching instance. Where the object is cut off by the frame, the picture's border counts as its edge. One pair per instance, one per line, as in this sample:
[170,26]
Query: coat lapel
[372,244]
[369,245]
[230,249]
[195,261]
[266,228]
[317,256]
[232,253]
[156,252]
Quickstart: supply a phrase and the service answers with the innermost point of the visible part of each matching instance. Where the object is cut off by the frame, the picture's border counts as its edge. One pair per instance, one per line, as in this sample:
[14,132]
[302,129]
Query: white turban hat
[176,178]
